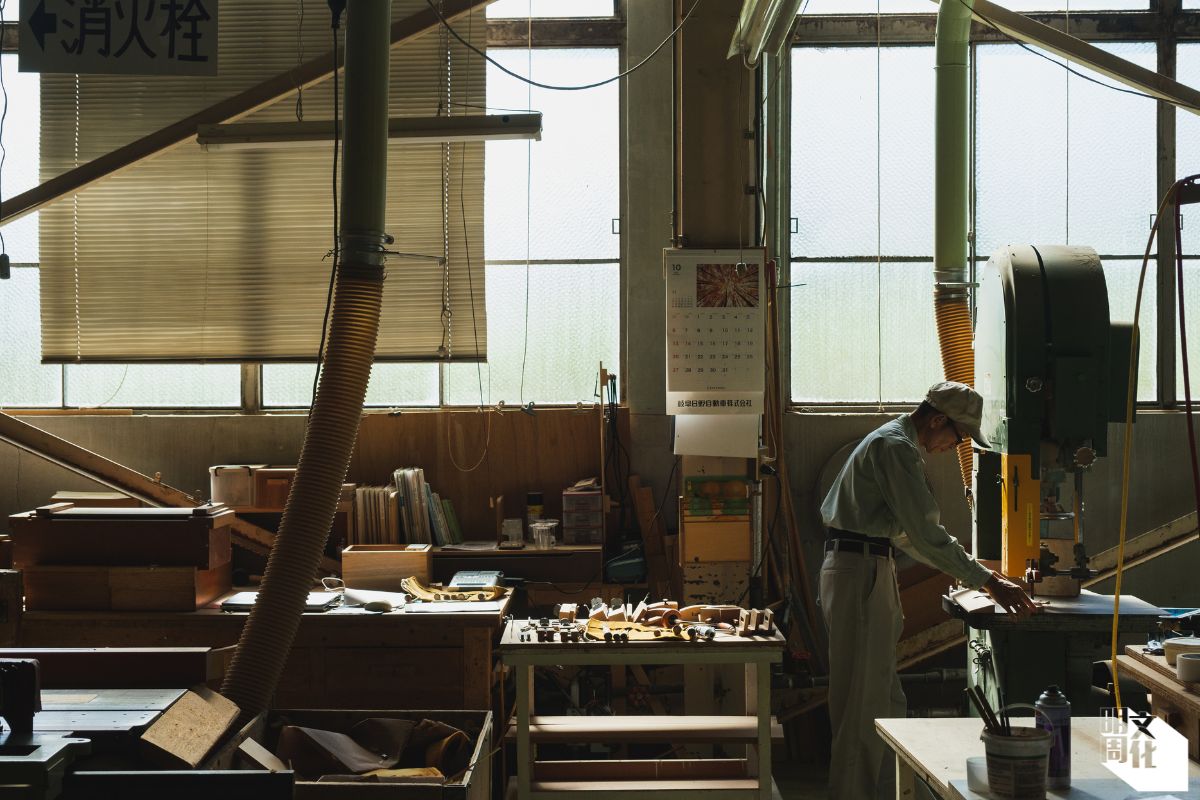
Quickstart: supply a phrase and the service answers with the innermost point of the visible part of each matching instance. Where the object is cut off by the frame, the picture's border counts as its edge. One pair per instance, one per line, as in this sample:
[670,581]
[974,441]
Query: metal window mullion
[251,388]
[1165,177]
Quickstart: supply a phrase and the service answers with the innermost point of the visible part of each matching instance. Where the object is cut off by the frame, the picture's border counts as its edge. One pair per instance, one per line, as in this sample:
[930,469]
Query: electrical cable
[762,558]
[1187,381]
[1066,65]
[510,73]
[336,7]
[1127,449]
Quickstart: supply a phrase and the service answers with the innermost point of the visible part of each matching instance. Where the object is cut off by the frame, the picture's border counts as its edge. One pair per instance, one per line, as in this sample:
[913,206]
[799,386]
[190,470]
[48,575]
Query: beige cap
[962,404]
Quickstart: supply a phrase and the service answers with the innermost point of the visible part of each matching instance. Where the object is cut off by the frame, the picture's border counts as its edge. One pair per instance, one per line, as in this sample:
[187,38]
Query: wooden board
[183,735]
[191,542]
[124,667]
[685,728]
[715,583]
[1159,664]
[640,769]
[1170,700]
[75,588]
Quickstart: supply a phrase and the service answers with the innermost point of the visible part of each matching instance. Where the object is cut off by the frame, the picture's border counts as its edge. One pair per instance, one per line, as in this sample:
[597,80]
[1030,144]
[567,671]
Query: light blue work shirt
[882,492]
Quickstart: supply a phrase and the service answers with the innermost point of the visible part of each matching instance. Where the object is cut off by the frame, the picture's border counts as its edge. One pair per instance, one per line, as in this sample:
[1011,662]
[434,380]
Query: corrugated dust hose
[267,638]
[958,359]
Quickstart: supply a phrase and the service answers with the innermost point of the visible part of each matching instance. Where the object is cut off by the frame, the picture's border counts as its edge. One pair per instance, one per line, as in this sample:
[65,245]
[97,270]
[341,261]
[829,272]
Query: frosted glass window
[153,385]
[1122,280]
[20,172]
[863,333]
[1060,160]
[920,6]
[563,189]
[24,380]
[834,164]
[549,8]
[1187,162]
[573,325]
[290,385]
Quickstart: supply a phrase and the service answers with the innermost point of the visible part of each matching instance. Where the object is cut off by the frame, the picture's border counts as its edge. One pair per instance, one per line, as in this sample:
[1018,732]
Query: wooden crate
[383,566]
[714,539]
[120,537]
[272,485]
[476,783]
[104,588]
[715,583]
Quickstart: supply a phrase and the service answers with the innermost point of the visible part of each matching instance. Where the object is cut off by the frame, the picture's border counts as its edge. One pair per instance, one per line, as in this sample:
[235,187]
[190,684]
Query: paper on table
[733,435]
[453,606]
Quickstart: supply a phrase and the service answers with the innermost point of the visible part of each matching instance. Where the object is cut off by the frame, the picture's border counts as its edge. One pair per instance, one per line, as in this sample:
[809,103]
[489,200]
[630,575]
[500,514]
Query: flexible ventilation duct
[951,253]
[267,637]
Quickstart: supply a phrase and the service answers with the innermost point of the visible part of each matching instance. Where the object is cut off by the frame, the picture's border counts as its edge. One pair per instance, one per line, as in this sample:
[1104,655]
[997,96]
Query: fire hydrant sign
[715,353]
[122,37]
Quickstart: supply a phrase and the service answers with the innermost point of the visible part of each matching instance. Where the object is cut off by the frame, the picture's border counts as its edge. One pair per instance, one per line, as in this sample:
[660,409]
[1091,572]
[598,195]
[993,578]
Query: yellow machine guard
[1020,518]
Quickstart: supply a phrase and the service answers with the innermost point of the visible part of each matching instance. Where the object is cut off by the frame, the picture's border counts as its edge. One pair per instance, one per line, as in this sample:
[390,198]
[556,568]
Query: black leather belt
[851,542]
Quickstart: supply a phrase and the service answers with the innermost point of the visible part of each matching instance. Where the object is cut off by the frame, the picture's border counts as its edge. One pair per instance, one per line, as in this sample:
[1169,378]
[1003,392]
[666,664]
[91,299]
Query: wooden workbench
[724,779]
[339,660]
[936,751]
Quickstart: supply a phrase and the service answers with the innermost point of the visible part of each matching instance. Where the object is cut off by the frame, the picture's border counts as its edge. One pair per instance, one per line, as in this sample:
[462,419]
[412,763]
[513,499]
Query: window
[1056,159]
[553,288]
[862,165]
[507,9]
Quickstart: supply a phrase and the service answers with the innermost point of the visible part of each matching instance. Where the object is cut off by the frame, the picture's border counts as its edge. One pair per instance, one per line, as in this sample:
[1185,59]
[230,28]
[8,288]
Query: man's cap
[962,404]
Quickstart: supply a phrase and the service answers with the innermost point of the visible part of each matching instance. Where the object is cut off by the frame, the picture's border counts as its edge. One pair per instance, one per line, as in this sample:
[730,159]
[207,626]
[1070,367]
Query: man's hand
[1009,595]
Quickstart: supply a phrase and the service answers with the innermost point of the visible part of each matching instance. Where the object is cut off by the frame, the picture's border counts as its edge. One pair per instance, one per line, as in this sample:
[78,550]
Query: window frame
[544,33]
[1164,23]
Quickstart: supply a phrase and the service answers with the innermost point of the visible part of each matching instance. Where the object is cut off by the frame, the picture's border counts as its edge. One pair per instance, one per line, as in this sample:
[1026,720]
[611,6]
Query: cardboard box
[724,538]
[383,566]
[81,588]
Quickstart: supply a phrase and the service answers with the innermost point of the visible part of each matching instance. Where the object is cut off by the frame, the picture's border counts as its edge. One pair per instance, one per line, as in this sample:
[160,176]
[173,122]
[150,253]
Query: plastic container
[1017,764]
[1187,667]
[544,533]
[513,530]
[1056,709]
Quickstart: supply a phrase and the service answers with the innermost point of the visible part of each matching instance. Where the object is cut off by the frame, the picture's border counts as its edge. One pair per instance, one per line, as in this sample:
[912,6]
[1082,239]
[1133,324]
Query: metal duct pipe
[267,637]
[951,208]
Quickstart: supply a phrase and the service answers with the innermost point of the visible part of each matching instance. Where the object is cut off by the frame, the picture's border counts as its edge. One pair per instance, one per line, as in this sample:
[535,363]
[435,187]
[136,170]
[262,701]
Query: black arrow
[42,23]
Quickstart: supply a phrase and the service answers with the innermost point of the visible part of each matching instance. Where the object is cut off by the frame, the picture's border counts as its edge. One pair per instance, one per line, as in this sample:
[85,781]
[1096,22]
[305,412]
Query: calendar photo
[715,343]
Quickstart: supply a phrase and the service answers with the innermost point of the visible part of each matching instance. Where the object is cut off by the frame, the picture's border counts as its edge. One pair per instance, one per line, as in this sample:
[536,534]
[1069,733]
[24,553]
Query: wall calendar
[715,319]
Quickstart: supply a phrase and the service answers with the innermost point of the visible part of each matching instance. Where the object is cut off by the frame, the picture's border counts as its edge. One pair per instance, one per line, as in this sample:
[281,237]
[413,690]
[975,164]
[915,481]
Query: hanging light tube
[414,130]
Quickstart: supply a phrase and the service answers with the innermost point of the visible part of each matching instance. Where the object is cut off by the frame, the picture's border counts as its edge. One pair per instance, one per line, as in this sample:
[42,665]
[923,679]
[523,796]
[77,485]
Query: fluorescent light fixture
[762,26]
[415,130]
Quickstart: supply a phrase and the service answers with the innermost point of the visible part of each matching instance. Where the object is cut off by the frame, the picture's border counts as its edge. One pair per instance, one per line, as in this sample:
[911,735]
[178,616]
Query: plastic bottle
[1053,703]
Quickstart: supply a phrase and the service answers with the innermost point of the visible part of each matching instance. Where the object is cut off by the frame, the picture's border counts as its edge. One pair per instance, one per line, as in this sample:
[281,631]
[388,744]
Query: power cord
[336,8]
[524,79]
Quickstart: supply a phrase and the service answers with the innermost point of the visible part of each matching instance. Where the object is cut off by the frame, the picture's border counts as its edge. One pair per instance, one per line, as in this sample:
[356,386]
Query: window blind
[222,256]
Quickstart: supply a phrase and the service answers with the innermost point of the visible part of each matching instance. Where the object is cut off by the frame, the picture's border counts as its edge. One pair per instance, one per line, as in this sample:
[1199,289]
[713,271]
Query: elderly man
[881,501]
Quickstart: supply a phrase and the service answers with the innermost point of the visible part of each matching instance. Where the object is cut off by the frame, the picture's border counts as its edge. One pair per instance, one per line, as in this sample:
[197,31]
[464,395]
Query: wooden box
[383,566]
[104,588]
[272,485]
[715,583]
[723,538]
[475,784]
[64,535]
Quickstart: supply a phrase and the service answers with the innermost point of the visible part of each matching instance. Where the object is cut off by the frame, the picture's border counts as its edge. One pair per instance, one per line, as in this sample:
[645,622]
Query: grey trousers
[860,601]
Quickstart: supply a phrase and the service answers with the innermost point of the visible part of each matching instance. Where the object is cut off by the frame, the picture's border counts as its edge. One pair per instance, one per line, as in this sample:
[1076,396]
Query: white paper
[358,597]
[733,435]
[453,606]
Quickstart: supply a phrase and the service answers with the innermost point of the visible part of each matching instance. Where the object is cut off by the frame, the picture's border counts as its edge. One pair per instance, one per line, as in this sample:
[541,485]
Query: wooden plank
[640,769]
[672,728]
[230,109]
[202,542]
[477,668]
[645,787]
[103,588]
[12,593]
[120,667]
[1159,664]
[1173,701]
[184,734]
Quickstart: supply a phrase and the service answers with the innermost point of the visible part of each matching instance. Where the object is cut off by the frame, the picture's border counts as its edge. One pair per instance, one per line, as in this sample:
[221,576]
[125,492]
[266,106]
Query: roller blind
[221,256]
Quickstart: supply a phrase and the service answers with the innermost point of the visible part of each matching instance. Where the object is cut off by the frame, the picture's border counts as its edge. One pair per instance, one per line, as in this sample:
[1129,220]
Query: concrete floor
[801,781]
